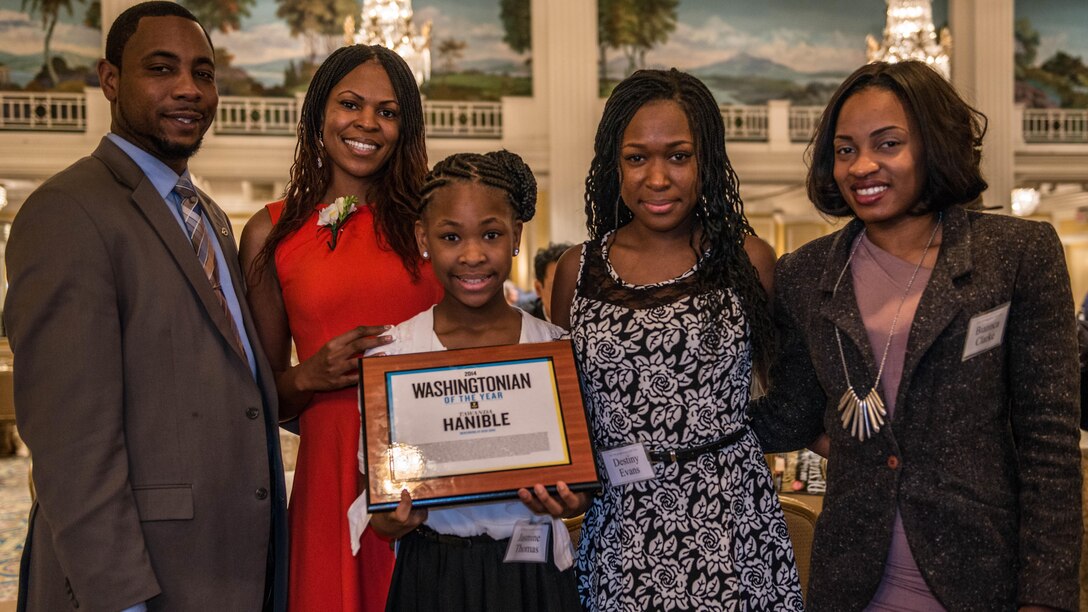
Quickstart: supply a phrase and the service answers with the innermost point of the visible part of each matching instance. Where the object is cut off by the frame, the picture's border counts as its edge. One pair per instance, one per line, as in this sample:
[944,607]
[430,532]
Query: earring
[321,146]
[426,255]
[319,164]
[705,206]
[516,251]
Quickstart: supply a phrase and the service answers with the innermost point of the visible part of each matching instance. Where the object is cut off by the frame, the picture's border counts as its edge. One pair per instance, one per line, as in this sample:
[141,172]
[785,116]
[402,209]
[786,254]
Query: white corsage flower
[334,215]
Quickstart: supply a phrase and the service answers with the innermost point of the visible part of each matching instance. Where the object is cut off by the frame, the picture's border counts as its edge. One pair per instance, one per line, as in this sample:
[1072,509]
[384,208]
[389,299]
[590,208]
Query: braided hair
[719,210]
[499,169]
[397,182]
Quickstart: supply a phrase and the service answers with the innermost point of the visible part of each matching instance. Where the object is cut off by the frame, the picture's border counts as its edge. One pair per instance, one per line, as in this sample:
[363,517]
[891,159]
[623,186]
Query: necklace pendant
[862,417]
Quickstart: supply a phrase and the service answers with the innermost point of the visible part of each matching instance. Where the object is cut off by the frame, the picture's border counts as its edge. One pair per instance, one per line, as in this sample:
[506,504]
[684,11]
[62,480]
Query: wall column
[982,70]
[566,81]
[110,10]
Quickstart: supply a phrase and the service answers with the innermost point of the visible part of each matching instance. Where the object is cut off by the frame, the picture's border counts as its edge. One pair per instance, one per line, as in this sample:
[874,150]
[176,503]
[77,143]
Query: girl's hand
[400,522]
[333,367]
[566,504]
[821,446]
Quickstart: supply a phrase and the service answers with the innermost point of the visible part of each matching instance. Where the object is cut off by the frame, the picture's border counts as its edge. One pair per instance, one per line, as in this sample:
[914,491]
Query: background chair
[801,523]
[574,526]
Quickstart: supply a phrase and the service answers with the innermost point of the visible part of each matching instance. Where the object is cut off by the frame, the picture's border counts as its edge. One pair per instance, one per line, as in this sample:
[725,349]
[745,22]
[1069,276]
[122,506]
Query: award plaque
[473,425]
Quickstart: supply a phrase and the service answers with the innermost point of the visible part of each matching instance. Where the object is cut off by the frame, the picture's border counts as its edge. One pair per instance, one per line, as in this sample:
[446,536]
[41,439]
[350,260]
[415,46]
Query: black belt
[676,456]
[431,535]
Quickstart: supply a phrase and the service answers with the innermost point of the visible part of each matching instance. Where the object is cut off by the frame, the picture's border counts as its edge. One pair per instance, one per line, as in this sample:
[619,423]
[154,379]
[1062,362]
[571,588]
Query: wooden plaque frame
[383,492]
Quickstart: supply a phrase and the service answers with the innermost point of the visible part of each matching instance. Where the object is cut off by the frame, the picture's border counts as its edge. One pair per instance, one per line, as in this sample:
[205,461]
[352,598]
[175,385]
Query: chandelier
[389,23]
[909,35]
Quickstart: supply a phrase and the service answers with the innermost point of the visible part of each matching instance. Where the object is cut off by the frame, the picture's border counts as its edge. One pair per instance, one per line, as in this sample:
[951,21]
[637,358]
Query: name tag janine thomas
[473,425]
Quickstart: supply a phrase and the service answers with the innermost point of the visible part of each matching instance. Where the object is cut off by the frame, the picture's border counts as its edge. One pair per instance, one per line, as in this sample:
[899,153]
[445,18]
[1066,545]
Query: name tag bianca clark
[473,425]
[985,331]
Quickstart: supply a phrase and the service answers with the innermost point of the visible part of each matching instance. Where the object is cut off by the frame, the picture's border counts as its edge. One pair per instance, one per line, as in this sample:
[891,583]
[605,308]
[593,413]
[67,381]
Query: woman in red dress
[330,266]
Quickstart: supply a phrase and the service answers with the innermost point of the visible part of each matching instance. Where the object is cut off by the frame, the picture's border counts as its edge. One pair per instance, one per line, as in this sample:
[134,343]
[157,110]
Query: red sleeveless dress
[326,293]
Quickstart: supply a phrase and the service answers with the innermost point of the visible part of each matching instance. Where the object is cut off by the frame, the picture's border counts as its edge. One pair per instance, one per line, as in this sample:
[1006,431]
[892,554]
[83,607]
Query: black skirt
[440,573]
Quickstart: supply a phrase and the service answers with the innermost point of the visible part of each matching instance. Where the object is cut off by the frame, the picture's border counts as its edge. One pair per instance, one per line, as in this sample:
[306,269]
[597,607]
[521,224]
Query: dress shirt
[164,179]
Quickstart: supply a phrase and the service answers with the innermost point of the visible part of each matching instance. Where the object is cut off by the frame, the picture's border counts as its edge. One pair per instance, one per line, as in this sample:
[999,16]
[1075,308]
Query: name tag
[985,331]
[627,464]
[529,544]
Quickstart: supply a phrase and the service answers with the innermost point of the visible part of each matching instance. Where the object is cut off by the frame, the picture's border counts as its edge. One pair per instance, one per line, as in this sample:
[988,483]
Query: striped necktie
[198,235]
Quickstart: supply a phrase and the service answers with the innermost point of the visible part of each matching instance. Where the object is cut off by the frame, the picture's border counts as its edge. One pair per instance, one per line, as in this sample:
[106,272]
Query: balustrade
[1055,125]
[54,112]
[254,116]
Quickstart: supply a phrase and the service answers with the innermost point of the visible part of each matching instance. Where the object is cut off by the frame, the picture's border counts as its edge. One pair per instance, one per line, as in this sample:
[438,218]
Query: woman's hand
[334,366]
[566,504]
[400,522]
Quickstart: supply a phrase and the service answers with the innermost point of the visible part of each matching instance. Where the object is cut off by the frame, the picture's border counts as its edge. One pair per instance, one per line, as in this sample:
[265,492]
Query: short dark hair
[126,23]
[547,255]
[499,169]
[951,133]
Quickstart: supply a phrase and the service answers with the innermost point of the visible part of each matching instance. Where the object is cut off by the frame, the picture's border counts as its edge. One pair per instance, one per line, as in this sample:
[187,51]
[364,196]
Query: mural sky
[723,41]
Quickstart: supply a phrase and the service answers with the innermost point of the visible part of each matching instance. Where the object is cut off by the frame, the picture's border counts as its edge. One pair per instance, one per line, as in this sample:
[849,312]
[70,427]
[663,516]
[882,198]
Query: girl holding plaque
[667,307]
[472,212]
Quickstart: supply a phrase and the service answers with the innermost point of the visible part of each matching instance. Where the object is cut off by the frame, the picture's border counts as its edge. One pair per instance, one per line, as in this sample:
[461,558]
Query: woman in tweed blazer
[978,466]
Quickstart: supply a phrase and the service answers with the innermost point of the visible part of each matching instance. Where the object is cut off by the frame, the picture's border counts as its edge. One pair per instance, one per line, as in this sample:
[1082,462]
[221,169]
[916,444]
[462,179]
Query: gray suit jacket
[156,453]
[987,468]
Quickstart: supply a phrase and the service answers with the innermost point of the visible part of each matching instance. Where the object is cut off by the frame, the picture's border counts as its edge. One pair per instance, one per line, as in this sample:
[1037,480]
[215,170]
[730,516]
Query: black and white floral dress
[706,533]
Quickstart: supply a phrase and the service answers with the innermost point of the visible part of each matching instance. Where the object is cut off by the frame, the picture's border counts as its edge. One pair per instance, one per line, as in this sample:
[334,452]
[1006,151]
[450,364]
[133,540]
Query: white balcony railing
[1055,125]
[803,121]
[250,116]
[745,123]
[237,115]
[56,112]
[279,116]
[463,119]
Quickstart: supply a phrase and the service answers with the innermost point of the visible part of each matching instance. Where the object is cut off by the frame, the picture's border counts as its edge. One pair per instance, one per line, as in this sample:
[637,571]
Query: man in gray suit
[140,386]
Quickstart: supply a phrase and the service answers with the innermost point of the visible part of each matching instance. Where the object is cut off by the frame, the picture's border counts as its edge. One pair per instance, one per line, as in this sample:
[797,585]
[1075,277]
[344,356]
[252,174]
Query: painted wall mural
[1051,53]
[480,48]
[48,44]
[745,52]
[280,42]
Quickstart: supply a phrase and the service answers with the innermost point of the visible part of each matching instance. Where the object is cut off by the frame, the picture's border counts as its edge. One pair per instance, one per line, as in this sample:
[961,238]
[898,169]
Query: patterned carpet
[14,507]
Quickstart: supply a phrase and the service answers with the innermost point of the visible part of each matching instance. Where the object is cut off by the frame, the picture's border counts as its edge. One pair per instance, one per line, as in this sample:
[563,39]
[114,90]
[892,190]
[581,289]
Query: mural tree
[1027,46]
[220,15]
[650,25]
[634,27]
[49,10]
[319,22]
[1060,81]
[611,31]
[451,50]
[1068,66]
[517,22]
[93,17]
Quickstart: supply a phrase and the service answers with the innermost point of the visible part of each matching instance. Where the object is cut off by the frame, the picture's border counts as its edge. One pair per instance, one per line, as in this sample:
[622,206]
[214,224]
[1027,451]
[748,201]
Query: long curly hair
[395,196]
[719,210]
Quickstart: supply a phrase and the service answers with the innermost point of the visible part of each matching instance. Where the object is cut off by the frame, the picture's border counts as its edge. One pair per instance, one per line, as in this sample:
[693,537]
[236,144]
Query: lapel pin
[224,231]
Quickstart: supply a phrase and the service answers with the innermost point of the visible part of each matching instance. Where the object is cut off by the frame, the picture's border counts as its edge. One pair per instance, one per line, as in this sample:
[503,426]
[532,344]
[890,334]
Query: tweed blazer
[156,450]
[982,455]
